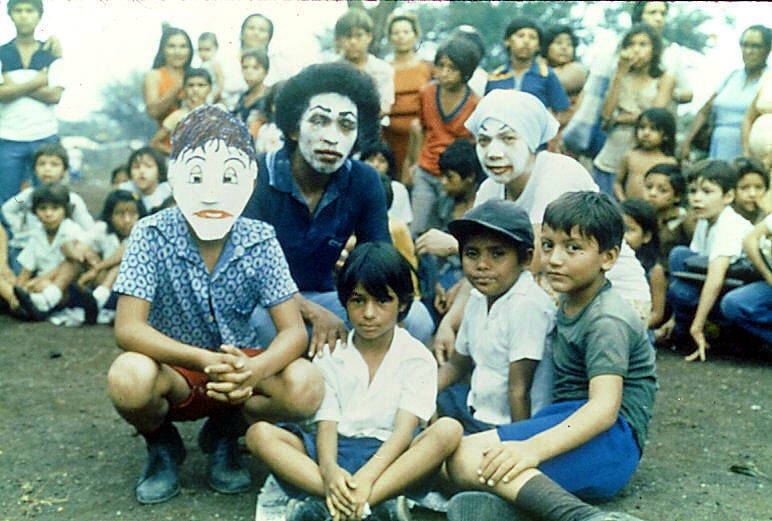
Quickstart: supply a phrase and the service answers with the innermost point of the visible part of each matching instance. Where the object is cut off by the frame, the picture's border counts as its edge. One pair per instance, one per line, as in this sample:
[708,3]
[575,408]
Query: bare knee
[447,434]
[304,386]
[463,463]
[131,381]
[260,437]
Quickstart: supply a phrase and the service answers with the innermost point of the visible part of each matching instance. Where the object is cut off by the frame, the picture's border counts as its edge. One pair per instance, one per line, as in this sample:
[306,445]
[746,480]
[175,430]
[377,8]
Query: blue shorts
[452,402]
[596,470]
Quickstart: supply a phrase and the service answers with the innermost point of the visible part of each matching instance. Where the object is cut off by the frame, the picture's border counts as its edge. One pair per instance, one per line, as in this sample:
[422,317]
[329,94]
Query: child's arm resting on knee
[338,483]
[508,459]
[133,333]
[711,289]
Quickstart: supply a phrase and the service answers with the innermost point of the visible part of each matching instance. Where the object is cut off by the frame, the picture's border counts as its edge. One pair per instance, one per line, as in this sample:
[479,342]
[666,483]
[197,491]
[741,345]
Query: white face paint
[328,131]
[212,187]
[503,154]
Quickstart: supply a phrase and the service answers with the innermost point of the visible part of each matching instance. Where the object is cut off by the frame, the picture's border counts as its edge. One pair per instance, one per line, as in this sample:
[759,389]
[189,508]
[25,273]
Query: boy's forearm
[519,403]
[392,448]
[9,90]
[288,345]
[327,444]
[49,95]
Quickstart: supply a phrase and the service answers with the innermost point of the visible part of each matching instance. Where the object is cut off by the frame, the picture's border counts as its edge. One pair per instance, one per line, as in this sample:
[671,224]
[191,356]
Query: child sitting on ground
[507,320]
[51,163]
[197,86]
[752,185]
[379,385]
[249,107]
[147,168]
[664,189]
[641,234]
[718,236]
[46,274]
[655,134]
[589,440]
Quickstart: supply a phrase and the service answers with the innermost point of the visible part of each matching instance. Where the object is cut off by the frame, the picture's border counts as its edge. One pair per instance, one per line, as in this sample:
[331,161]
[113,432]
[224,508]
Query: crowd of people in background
[486,184]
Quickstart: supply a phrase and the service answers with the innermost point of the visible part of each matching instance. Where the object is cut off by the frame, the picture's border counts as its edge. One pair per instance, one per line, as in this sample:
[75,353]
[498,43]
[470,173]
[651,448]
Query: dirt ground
[66,455]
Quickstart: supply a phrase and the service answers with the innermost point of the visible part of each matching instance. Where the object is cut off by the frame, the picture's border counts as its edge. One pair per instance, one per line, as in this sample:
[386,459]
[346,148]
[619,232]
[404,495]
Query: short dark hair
[674,175]
[662,120]
[354,18]
[117,170]
[461,157]
[210,123]
[37,4]
[645,215]
[638,7]
[714,170]
[379,147]
[523,22]
[555,31]
[155,155]
[194,72]
[258,54]
[55,193]
[208,36]
[112,200]
[655,67]
[462,52]
[167,32]
[377,266]
[52,149]
[403,16]
[339,78]
[246,21]
[766,35]
[387,189]
[750,165]
[471,33]
[595,214]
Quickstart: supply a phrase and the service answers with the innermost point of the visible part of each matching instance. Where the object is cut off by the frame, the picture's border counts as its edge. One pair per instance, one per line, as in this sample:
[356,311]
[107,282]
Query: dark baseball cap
[500,216]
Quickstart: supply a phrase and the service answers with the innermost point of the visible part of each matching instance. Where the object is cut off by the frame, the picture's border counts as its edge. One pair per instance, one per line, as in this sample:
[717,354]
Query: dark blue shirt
[353,203]
[11,59]
[548,89]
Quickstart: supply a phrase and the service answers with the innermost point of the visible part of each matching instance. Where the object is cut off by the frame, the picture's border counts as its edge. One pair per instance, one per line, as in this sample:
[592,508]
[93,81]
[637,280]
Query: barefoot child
[189,281]
[589,441]
[655,144]
[379,385]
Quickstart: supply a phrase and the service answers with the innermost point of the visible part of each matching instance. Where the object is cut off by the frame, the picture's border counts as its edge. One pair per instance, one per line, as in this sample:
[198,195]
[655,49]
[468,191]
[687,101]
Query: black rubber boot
[219,438]
[159,481]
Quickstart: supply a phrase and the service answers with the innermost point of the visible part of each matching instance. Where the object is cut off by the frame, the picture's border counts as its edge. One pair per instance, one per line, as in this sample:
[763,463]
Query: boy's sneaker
[310,509]
[612,516]
[159,481]
[224,472]
[474,506]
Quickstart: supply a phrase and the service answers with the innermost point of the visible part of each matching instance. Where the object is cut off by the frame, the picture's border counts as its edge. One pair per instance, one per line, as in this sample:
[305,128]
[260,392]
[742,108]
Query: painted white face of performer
[328,131]
[211,187]
[503,154]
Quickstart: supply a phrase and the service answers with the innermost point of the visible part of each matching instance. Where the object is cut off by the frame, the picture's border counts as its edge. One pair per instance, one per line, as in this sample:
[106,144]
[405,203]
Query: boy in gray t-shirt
[589,441]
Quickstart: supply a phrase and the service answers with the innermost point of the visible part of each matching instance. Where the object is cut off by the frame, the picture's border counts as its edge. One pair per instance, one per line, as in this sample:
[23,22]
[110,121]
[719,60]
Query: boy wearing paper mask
[189,280]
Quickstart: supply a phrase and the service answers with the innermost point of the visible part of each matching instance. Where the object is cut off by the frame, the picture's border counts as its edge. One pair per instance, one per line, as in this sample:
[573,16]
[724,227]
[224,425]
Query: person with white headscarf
[511,129]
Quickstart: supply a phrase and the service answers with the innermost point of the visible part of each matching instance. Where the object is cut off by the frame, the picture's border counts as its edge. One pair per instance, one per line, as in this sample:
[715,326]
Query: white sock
[101,294]
[40,302]
[53,295]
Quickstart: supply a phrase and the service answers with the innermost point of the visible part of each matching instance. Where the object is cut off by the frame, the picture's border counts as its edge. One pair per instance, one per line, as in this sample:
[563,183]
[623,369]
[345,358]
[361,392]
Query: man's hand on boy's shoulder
[326,328]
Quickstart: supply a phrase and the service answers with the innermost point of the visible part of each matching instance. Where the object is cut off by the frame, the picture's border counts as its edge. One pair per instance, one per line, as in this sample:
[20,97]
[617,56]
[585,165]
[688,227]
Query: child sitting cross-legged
[588,442]
[506,323]
[379,385]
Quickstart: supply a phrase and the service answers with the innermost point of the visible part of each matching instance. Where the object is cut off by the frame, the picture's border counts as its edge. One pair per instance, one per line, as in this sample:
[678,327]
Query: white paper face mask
[211,187]
[328,131]
[502,153]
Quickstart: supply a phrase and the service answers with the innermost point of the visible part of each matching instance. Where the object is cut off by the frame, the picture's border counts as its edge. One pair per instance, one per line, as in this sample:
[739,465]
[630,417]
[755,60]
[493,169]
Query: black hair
[246,21]
[112,200]
[207,123]
[377,266]
[638,7]
[655,68]
[339,78]
[555,31]
[198,73]
[662,120]
[749,165]
[403,16]
[522,22]
[269,100]
[387,189]
[117,170]
[166,33]
[155,155]
[461,157]
[354,18]
[674,175]
[209,36]
[766,35]
[471,33]
[595,214]
[258,54]
[379,147]
[37,4]
[646,216]
[52,149]
[462,52]
[523,250]
[55,193]
[714,170]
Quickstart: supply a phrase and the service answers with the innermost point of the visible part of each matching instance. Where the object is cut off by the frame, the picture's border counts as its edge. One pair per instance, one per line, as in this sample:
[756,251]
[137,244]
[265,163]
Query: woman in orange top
[163,86]
[410,75]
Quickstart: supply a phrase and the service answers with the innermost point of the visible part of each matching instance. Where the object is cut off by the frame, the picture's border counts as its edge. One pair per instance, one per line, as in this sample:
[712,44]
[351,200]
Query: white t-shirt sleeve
[28,258]
[731,229]
[58,74]
[563,174]
[330,409]
[462,337]
[419,386]
[80,213]
[528,334]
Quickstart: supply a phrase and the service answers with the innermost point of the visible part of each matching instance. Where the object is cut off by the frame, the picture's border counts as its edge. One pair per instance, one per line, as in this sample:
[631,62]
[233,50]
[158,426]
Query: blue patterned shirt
[163,265]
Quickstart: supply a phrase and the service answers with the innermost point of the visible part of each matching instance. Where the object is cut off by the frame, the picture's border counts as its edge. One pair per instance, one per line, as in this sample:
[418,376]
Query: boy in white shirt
[506,323]
[719,236]
[378,386]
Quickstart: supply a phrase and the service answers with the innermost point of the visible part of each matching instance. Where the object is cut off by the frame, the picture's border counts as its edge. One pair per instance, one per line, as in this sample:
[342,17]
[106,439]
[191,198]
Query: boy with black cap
[505,326]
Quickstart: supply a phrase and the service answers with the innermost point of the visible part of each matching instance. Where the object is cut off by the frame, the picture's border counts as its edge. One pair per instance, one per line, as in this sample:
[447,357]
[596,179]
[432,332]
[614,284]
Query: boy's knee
[462,464]
[449,432]
[131,380]
[258,436]
[305,387]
